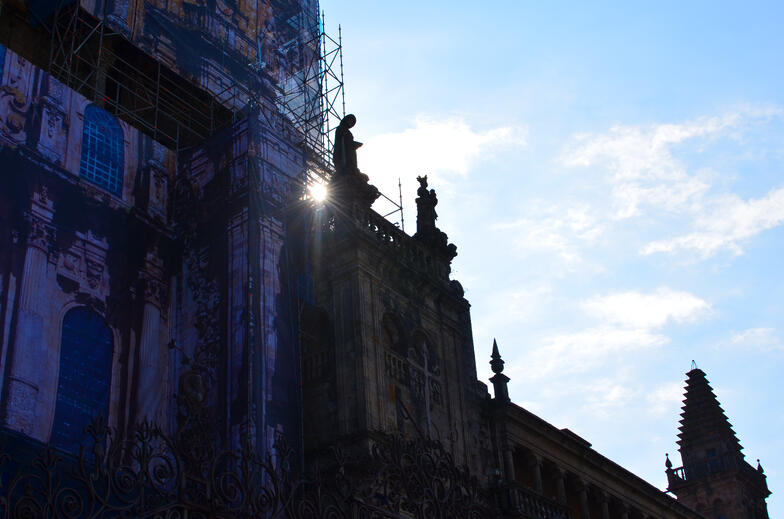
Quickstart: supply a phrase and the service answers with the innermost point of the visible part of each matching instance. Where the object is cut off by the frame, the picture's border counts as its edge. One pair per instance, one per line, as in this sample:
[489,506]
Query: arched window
[102,159]
[84,377]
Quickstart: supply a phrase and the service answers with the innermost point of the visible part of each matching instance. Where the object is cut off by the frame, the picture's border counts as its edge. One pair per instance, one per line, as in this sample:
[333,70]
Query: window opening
[84,377]
[102,158]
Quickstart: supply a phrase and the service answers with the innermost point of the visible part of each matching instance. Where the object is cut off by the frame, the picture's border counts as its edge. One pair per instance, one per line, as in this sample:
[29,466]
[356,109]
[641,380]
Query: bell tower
[715,479]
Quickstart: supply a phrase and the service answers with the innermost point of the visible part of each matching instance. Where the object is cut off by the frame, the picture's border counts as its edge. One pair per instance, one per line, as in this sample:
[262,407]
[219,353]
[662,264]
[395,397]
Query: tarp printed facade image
[125,282]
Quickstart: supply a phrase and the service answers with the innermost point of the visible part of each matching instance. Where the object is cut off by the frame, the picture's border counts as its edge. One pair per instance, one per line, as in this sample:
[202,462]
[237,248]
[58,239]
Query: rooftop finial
[497,363]
[499,380]
[759,467]
[667,462]
[693,364]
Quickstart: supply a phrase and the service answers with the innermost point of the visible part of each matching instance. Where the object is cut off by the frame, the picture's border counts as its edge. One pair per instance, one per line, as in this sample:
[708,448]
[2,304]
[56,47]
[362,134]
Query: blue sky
[613,177]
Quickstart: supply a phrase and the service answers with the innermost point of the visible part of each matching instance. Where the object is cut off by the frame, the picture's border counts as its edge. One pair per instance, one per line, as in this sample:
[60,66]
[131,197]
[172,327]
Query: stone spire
[705,430]
[499,380]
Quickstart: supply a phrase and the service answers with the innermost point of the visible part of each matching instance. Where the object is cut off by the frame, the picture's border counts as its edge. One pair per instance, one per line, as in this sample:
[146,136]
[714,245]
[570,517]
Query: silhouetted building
[161,260]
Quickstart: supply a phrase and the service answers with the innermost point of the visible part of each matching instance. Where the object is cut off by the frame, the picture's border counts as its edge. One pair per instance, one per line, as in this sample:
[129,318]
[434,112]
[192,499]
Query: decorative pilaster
[54,126]
[21,409]
[151,361]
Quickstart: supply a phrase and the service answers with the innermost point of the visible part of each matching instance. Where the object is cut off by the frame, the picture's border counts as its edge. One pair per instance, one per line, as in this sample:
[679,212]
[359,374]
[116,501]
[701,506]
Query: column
[605,504]
[560,486]
[535,462]
[624,511]
[21,410]
[582,489]
[509,465]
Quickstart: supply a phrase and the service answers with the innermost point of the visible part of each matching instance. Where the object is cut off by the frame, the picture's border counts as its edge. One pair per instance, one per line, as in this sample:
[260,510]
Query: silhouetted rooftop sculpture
[344,154]
[349,184]
[427,231]
[426,207]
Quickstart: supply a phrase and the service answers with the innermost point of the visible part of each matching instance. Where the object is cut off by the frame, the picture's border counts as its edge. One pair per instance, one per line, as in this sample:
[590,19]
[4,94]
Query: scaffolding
[90,57]
[95,57]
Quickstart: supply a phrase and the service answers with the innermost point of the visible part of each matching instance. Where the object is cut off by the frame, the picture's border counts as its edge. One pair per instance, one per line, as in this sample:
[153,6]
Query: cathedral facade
[164,274]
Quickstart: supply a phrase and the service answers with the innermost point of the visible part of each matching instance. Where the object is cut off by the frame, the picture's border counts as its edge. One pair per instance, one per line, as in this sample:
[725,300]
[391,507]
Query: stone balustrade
[521,501]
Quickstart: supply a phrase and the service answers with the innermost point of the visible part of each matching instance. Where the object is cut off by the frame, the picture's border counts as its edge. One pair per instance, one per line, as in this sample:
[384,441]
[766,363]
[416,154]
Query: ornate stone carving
[71,262]
[15,99]
[53,132]
[118,16]
[155,290]
[85,263]
[41,233]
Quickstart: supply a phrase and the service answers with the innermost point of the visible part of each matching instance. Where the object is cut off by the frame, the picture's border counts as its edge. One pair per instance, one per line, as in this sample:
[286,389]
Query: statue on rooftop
[426,207]
[344,154]
[427,232]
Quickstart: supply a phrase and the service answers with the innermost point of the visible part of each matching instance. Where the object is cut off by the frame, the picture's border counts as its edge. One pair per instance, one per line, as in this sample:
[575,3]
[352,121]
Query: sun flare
[318,192]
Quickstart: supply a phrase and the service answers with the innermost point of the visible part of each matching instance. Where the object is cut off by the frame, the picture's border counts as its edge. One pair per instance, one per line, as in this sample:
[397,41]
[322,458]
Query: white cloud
[626,323]
[558,231]
[730,221]
[647,177]
[641,166]
[647,311]
[759,339]
[444,149]
[585,350]
[521,304]
[438,147]
[607,396]
[665,398]
[644,152]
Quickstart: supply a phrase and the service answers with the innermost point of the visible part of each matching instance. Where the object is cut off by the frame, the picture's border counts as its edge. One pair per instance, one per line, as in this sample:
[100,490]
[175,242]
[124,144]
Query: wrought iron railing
[153,475]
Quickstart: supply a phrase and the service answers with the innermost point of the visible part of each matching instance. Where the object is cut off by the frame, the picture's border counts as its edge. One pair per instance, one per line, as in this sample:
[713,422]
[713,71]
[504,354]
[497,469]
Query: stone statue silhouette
[426,207]
[344,154]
